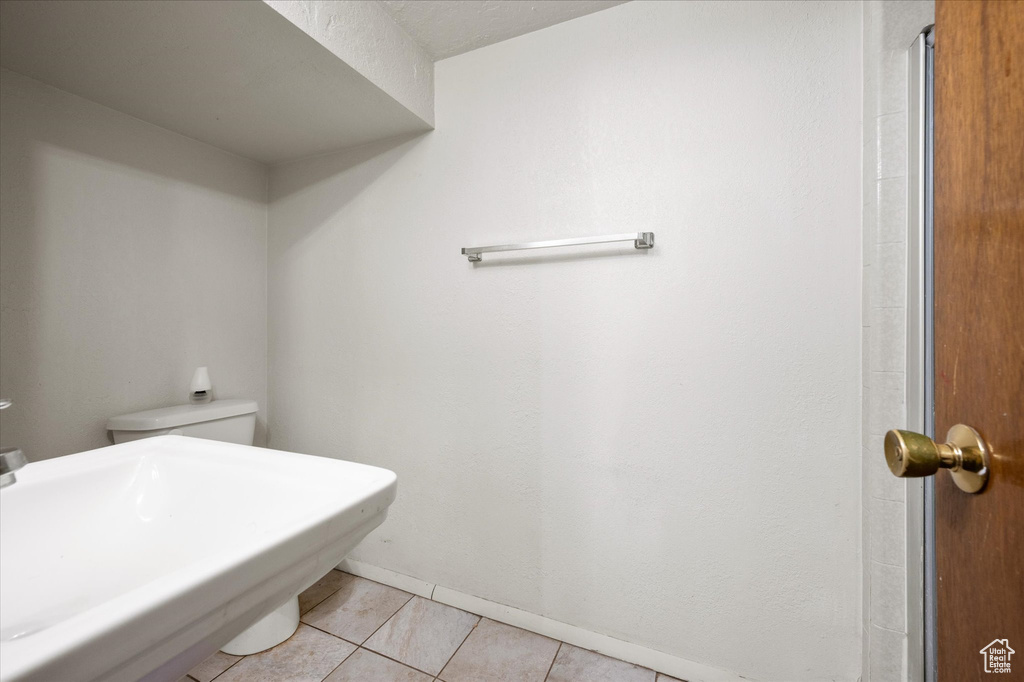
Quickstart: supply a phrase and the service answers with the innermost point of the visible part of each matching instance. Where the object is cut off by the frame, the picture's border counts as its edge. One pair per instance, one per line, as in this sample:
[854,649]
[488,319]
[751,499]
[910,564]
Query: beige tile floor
[356,630]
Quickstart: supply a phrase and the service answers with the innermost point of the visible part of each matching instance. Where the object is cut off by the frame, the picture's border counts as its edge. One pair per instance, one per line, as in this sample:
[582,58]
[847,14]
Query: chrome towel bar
[641,240]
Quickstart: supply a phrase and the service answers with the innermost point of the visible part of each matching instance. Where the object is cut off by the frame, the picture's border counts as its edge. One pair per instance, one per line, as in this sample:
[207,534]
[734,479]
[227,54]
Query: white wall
[363,35]
[663,447]
[129,255]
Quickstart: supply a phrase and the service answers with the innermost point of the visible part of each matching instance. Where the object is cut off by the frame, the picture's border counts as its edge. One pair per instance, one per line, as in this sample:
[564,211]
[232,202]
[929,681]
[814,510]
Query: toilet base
[269,631]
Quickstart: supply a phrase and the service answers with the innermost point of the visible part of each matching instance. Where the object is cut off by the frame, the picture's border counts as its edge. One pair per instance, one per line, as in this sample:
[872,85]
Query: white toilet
[233,421]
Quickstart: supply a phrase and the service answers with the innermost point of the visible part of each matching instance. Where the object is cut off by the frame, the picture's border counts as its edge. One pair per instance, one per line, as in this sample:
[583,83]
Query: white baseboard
[616,648]
[386,577]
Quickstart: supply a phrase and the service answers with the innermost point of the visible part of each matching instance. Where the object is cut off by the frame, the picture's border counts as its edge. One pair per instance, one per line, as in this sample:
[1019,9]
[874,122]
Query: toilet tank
[233,421]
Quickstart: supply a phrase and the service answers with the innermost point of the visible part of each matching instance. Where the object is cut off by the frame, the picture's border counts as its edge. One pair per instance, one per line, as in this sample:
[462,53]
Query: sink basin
[138,561]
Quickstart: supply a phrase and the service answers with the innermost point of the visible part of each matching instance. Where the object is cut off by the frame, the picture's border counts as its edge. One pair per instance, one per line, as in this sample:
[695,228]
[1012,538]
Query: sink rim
[309,534]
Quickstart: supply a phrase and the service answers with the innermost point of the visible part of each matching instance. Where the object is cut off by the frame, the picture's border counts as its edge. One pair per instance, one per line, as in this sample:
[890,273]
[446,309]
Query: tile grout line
[883,563]
[347,641]
[325,598]
[240,659]
[334,592]
[433,677]
[366,648]
[888,499]
[431,598]
[357,646]
[388,619]
[479,619]
[395,660]
[341,663]
[360,644]
[557,651]
[880,627]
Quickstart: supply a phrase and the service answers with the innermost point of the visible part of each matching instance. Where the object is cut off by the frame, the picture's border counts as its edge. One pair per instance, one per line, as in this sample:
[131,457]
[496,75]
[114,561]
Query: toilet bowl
[232,421]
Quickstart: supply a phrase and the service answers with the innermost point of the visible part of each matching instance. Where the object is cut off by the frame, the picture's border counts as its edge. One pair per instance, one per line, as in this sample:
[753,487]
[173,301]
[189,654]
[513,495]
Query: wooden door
[979,327]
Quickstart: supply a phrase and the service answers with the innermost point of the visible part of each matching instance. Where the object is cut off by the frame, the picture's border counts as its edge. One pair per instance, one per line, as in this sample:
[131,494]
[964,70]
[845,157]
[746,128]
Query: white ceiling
[236,75]
[449,27]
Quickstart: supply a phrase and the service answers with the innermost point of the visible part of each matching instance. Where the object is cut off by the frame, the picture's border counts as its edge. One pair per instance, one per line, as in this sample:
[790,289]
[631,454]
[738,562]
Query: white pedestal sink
[137,561]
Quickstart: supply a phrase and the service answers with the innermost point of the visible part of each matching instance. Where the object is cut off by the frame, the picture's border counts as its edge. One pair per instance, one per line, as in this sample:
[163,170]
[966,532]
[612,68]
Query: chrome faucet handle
[11,459]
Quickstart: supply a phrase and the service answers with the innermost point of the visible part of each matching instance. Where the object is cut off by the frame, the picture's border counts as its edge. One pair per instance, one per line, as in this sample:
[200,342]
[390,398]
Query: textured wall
[129,255]
[446,29]
[889,30]
[366,38]
[661,446]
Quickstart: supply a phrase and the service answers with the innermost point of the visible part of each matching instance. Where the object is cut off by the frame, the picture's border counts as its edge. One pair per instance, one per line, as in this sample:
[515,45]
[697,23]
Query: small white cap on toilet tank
[199,391]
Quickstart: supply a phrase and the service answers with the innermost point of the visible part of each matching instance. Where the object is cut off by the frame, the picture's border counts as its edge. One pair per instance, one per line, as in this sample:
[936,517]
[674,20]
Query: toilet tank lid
[181,415]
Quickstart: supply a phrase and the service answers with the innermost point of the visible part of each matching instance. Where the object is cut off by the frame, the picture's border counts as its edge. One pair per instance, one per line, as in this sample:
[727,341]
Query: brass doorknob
[965,454]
